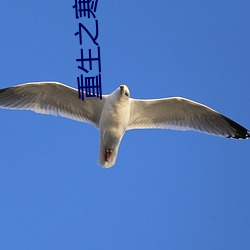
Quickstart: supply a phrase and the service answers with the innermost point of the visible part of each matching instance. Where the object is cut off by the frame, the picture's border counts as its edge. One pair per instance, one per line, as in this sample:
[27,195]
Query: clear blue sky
[169,189]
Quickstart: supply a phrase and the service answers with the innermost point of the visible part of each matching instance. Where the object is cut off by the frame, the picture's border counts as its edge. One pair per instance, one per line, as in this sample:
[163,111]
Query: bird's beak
[122,88]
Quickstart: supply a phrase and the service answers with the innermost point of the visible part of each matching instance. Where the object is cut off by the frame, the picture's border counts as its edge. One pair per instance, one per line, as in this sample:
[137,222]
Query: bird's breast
[114,119]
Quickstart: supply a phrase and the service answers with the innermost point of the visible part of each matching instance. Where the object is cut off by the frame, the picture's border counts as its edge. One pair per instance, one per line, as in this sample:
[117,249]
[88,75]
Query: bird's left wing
[52,98]
[182,114]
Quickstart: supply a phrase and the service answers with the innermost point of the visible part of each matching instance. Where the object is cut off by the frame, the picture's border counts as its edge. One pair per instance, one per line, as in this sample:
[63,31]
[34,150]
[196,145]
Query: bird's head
[124,91]
[121,94]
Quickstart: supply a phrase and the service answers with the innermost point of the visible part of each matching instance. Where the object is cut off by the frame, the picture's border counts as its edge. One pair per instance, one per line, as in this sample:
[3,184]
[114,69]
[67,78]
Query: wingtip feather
[239,131]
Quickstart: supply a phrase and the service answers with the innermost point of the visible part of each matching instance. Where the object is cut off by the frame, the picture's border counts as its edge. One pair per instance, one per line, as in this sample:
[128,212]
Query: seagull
[116,113]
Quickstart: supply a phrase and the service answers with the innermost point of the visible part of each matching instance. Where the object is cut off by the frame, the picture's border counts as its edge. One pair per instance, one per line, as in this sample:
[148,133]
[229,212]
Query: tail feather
[101,159]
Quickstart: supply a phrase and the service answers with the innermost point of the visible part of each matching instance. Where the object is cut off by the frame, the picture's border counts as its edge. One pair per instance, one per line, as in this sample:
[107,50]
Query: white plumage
[116,113]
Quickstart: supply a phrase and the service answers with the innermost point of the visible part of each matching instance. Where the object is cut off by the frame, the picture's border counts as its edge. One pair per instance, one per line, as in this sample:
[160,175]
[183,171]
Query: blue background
[169,189]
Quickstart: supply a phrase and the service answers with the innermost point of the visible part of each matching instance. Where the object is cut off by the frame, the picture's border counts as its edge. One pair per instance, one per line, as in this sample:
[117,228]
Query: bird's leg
[108,154]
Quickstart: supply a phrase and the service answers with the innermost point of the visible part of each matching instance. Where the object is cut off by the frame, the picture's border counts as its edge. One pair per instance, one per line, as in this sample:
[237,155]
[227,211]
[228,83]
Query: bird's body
[116,113]
[113,124]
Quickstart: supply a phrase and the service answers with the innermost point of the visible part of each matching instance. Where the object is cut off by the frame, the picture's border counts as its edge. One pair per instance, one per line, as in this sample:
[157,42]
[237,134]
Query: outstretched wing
[52,98]
[182,114]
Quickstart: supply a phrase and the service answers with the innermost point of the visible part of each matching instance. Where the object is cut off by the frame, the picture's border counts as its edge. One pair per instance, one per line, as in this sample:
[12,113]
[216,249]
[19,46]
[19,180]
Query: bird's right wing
[52,98]
[182,114]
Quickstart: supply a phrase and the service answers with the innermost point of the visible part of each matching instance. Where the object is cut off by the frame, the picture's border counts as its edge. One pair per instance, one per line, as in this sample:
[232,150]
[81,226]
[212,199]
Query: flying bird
[116,113]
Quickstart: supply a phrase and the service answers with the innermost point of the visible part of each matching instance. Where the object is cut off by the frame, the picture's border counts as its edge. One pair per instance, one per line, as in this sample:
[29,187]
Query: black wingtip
[248,134]
[239,131]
